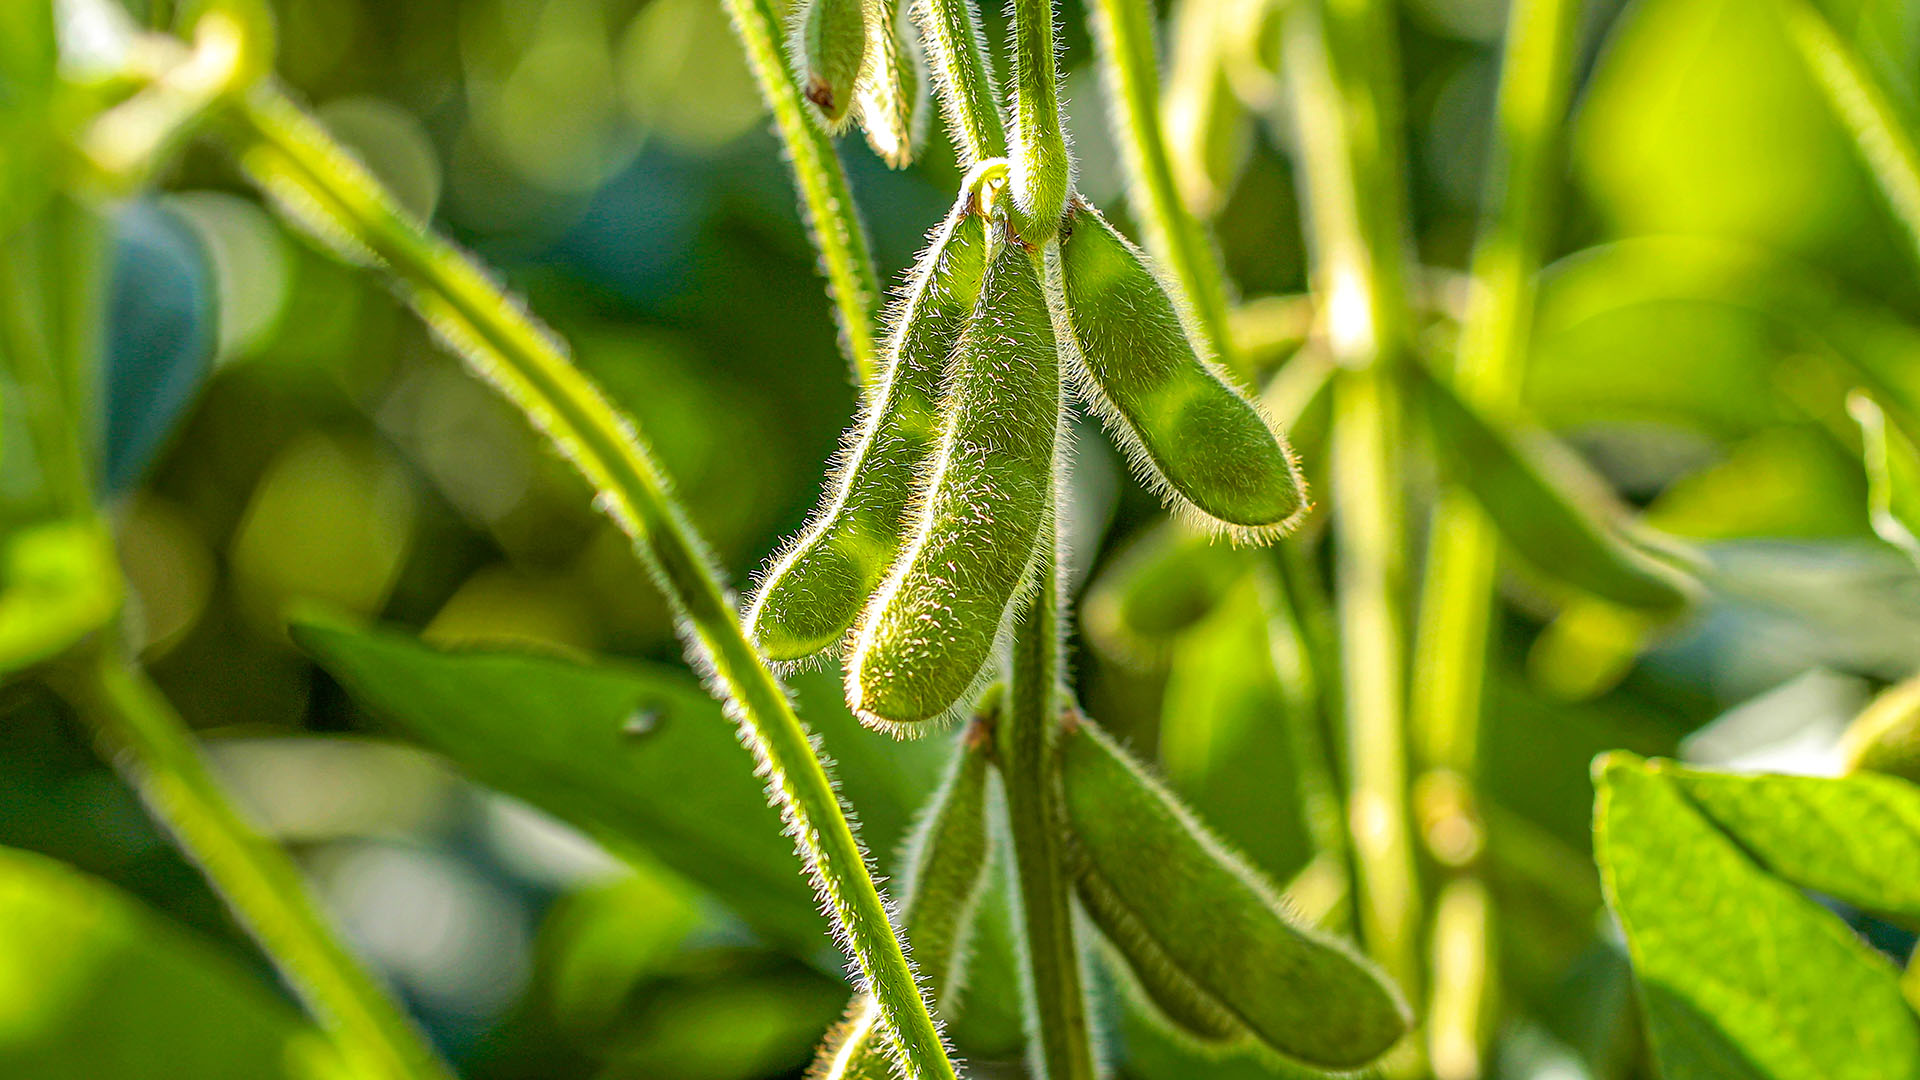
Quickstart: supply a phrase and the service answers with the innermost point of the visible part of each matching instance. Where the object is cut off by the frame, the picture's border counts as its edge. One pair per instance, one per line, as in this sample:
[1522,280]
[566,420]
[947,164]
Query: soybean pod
[947,871]
[1204,934]
[830,51]
[816,587]
[931,627]
[890,100]
[1189,433]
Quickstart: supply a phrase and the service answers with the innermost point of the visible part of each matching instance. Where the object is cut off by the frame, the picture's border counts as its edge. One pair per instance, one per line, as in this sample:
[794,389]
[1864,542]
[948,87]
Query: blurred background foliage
[281,433]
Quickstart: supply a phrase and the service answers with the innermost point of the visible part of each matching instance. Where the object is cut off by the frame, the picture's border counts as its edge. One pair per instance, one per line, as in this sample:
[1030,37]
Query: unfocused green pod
[891,97]
[1203,932]
[930,628]
[1539,513]
[1885,737]
[947,868]
[1190,434]
[831,51]
[816,587]
[1162,584]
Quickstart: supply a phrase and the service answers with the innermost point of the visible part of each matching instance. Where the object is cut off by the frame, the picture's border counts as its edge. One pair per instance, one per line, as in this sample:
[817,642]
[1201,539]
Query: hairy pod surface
[816,588]
[1190,434]
[891,96]
[831,52]
[1201,928]
[947,870]
[930,628]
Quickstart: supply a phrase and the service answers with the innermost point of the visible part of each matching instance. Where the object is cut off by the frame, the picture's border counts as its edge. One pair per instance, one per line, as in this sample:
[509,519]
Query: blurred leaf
[1538,511]
[1885,736]
[1856,839]
[28,57]
[58,582]
[1739,974]
[93,986]
[160,335]
[1893,474]
[1167,580]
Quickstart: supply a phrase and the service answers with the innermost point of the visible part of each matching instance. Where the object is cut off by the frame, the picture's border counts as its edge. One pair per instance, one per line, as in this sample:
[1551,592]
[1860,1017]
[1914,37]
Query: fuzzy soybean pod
[830,50]
[1202,931]
[816,587]
[1191,435]
[931,627]
[947,862]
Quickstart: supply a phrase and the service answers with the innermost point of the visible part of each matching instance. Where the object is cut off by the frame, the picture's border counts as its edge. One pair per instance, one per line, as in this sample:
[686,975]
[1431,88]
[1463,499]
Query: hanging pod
[816,587]
[930,628]
[830,52]
[890,100]
[1190,434]
[1207,939]
[947,870]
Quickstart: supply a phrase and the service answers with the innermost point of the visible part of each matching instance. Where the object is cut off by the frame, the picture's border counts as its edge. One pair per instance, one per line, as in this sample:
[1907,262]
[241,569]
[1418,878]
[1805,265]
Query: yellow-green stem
[1042,171]
[323,187]
[147,741]
[829,207]
[963,74]
[1123,30]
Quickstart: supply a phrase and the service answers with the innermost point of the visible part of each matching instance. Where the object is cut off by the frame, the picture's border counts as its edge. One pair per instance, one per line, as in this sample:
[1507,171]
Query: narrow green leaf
[1740,975]
[1893,473]
[93,985]
[27,61]
[1855,838]
[1552,524]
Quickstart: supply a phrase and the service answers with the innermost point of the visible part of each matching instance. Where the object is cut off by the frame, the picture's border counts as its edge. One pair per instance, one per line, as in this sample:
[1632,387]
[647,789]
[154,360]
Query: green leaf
[1893,474]
[1885,737]
[632,755]
[59,581]
[1165,582]
[1540,508]
[1855,839]
[1740,974]
[93,985]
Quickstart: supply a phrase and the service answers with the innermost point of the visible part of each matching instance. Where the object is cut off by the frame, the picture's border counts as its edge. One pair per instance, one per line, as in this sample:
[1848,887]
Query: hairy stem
[1027,741]
[1042,172]
[1450,657]
[1341,56]
[143,737]
[1123,30]
[963,75]
[323,187]
[830,211]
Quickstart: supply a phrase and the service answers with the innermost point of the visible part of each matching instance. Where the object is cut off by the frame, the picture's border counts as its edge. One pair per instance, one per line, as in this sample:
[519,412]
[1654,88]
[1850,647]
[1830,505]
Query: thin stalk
[1882,135]
[1041,171]
[1340,54]
[963,74]
[1027,742]
[143,737]
[1123,32]
[33,347]
[830,210]
[1450,657]
[323,187]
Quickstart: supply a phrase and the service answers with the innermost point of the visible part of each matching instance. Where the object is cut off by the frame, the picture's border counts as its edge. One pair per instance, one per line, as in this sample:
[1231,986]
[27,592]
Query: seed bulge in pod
[831,51]
[1196,921]
[931,627]
[947,870]
[1190,434]
[815,588]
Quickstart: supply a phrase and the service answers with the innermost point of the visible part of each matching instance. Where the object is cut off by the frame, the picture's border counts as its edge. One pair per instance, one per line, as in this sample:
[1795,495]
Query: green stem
[1450,658]
[1123,30]
[830,210]
[38,345]
[318,183]
[963,73]
[1027,740]
[1042,171]
[1341,56]
[1881,133]
[147,741]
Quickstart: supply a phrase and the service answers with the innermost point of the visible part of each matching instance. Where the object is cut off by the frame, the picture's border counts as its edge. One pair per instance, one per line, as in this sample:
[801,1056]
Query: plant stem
[1880,132]
[143,737]
[1123,30]
[1341,56]
[830,210]
[1042,172]
[323,187]
[1450,658]
[963,73]
[1027,739]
